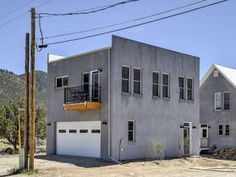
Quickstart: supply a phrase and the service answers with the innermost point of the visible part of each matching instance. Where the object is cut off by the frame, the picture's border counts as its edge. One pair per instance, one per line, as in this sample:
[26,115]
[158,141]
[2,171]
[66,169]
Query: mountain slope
[12,86]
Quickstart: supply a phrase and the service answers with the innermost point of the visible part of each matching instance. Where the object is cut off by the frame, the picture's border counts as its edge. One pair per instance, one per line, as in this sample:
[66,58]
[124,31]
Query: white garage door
[79,138]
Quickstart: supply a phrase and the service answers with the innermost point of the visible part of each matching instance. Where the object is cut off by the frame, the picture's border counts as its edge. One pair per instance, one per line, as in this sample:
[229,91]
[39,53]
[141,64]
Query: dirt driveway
[87,167]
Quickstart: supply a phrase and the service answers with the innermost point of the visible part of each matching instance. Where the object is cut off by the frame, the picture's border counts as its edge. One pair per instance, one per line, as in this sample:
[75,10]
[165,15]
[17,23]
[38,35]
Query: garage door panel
[80,144]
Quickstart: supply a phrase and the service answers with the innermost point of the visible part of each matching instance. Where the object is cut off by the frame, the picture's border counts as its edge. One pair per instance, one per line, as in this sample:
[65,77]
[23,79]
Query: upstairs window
[85,81]
[137,81]
[61,81]
[125,79]
[165,86]
[220,130]
[216,73]
[218,101]
[189,89]
[155,84]
[226,101]
[131,131]
[181,88]
[227,130]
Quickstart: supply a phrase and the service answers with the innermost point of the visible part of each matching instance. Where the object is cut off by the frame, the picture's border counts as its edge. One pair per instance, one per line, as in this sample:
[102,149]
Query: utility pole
[32,90]
[27,100]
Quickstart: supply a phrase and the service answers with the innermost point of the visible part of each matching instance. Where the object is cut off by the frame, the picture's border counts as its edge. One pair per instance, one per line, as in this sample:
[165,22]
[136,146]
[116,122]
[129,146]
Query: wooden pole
[32,114]
[19,134]
[26,121]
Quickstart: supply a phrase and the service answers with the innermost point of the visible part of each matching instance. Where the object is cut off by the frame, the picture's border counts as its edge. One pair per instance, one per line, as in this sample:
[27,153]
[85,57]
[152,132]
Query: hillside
[12,86]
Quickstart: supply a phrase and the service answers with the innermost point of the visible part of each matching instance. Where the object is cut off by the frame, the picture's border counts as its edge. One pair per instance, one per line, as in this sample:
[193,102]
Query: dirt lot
[87,167]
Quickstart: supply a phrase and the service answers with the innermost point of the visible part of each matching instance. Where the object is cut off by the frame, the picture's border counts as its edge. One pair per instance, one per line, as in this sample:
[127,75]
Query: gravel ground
[51,166]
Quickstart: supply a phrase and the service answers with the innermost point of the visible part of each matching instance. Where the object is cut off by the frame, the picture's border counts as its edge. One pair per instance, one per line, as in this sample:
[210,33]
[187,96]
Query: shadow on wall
[85,162]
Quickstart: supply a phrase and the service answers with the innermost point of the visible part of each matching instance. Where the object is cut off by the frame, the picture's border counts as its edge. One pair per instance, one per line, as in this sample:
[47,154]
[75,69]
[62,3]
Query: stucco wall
[74,67]
[155,119]
[214,118]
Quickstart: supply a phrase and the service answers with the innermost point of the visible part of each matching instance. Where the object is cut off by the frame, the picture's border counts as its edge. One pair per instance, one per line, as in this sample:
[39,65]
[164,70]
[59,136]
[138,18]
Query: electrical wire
[85,12]
[21,15]
[136,25]
[16,10]
[125,22]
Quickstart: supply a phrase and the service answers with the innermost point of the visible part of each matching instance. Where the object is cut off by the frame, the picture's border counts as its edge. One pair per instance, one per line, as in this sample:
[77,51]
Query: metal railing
[81,94]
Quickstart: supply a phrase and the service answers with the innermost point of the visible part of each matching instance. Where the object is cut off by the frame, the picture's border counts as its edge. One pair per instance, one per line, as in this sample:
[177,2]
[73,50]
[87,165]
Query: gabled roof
[228,73]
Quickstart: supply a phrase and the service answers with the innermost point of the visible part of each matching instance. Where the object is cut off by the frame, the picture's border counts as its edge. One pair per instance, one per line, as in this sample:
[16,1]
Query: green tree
[9,122]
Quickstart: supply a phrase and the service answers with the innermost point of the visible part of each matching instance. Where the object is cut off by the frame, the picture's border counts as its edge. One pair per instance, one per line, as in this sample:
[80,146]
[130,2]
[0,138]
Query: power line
[85,12]
[125,22]
[21,15]
[140,24]
[16,10]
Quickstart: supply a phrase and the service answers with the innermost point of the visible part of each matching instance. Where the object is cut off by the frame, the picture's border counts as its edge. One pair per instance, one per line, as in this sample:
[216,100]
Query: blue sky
[208,33]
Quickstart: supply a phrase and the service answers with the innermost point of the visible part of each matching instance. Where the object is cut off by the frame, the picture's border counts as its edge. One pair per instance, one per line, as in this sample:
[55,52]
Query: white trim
[190,138]
[78,55]
[219,129]
[224,100]
[219,68]
[164,73]
[201,128]
[129,90]
[140,81]
[187,89]
[158,84]
[62,81]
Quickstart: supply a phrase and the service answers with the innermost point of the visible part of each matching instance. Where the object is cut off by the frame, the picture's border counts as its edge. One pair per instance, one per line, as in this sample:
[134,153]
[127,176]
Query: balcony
[82,98]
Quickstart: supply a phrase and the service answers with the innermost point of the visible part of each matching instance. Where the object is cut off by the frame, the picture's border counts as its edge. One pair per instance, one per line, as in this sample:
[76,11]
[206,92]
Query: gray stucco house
[117,102]
[217,103]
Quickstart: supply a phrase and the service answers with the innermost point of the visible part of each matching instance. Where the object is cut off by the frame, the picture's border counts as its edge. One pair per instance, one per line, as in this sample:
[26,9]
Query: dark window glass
[204,133]
[155,84]
[72,131]
[181,88]
[62,131]
[95,131]
[165,85]
[59,82]
[125,79]
[130,131]
[227,130]
[226,101]
[190,89]
[137,81]
[220,130]
[83,131]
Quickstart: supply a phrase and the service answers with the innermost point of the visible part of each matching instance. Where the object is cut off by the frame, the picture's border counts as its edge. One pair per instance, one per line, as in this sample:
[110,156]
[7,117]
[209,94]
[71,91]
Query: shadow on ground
[85,162]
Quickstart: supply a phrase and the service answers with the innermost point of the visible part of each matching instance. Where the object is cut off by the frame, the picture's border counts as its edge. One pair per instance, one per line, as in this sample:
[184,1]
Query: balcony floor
[88,105]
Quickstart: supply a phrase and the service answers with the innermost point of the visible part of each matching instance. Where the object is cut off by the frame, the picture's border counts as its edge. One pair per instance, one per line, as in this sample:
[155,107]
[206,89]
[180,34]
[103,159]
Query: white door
[81,138]
[204,135]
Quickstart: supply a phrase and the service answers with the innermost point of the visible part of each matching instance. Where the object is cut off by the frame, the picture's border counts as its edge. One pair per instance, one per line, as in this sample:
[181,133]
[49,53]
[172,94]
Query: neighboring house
[119,101]
[217,103]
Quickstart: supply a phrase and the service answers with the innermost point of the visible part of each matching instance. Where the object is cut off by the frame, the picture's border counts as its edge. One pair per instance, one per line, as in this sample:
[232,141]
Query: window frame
[219,129]
[140,82]
[157,84]
[162,85]
[204,127]
[187,89]
[62,77]
[216,100]
[133,132]
[184,88]
[224,101]
[225,130]
[125,79]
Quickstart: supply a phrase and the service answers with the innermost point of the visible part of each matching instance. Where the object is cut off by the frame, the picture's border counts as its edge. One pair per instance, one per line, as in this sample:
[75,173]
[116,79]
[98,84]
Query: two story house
[116,102]
[217,103]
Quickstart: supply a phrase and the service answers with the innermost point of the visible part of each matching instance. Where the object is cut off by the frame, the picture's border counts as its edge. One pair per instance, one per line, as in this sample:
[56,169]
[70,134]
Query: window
[220,130]
[61,81]
[62,131]
[217,101]
[83,131]
[227,130]
[216,73]
[72,131]
[125,79]
[204,128]
[155,84]
[226,101]
[137,81]
[189,89]
[131,130]
[95,131]
[181,88]
[165,86]
[85,82]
